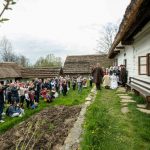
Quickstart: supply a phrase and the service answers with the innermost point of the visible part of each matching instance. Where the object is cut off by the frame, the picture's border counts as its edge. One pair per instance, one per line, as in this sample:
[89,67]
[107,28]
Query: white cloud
[64,26]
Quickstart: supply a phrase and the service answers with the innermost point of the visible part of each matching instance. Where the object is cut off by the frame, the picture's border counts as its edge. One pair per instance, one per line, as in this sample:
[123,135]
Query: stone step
[141,105]
[124,104]
[143,110]
[124,110]
[127,101]
[88,99]
[122,94]
[125,97]
[121,90]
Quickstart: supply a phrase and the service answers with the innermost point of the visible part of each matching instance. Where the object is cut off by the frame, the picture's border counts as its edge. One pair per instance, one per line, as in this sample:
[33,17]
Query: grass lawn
[106,128]
[72,98]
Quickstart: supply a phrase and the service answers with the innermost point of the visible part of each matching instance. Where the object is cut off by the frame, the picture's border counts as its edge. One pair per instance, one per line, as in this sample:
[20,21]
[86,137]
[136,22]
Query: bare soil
[46,130]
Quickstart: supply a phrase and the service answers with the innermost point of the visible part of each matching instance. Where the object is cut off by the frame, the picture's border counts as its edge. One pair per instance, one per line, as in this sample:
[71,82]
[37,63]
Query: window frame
[116,62]
[148,64]
[139,65]
[125,62]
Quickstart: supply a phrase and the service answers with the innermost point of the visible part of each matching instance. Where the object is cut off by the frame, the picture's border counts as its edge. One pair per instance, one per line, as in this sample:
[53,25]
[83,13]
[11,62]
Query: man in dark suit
[98,76]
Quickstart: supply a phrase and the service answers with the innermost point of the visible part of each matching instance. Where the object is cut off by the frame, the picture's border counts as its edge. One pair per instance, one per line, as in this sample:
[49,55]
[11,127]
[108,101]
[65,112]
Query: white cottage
[131,46]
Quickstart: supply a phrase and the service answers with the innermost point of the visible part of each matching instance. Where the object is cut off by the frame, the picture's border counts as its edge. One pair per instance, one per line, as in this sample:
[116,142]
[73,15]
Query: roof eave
[127,22]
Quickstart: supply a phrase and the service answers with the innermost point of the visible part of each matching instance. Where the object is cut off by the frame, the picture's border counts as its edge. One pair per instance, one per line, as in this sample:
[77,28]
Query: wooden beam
[128,42]
[120,47]
[141,19]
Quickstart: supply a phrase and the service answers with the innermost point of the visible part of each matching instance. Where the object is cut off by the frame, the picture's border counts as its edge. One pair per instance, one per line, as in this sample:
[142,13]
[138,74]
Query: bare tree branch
[108,33]
[7,54]
[6,4]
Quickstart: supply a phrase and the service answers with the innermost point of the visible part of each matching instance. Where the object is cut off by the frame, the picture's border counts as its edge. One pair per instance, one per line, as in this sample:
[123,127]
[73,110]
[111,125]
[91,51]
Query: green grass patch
[72,98]
[10,122]
[139,99]
[106,128]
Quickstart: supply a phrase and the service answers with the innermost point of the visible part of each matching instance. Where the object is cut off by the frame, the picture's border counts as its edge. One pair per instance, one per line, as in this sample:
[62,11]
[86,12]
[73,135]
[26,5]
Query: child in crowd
[84,83]
[44,93]
[14,110]
[48,97]
[79,81]
[91,80]
[73,84]
[27,98]
[64,86]
[32,97]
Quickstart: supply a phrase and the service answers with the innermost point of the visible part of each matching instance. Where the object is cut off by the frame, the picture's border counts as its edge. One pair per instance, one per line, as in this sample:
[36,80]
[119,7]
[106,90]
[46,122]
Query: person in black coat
[98,76]
[2,88]
[73,84]
[64,86]
[37,88]
[123,75]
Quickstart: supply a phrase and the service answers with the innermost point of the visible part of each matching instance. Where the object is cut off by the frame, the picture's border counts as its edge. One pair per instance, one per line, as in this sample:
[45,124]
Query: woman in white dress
[106,80]
[113,81]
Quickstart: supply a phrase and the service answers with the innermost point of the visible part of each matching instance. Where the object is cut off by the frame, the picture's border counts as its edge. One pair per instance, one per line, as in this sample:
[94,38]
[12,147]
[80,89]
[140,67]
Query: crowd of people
[109,77]
[19,95]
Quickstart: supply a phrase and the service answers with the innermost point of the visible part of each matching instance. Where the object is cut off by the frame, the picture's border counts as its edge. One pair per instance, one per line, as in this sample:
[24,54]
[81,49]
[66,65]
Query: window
[148,64]
[116,62]
[125,63]
[144,65]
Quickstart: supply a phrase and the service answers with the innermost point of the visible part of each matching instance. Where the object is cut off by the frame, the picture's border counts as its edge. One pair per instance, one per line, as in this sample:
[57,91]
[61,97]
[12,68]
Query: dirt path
[46,130]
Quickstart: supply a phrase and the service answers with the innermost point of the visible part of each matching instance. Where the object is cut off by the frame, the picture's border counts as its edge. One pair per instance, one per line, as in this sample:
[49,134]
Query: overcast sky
[62,27]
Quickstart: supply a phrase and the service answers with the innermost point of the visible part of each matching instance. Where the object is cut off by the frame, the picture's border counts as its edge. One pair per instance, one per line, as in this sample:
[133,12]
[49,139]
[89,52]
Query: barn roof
[13,70]
[41,72]
[79,64]
[136,16]
[9,70]
[77,67]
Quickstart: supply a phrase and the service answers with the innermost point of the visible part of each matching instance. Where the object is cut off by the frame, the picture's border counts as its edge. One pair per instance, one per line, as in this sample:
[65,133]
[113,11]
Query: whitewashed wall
[140,47]
[5,80]
[127,54]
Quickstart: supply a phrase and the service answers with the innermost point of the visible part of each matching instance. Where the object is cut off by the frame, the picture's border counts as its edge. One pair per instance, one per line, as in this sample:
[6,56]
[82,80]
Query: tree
[49,61]
[8,55]
[6,52]
[7,6]
[23,61]
[108,33]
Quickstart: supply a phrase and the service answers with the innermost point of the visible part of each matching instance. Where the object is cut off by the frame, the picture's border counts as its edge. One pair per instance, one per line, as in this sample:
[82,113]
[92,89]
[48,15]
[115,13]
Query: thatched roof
[12,70]
[42,72]
[79,67]
[9,70]
[136,17]
[81,64]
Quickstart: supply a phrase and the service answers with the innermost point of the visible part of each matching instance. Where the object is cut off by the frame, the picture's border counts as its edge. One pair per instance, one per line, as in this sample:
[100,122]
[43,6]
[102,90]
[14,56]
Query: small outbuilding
[82,64]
